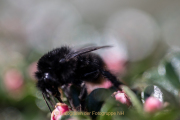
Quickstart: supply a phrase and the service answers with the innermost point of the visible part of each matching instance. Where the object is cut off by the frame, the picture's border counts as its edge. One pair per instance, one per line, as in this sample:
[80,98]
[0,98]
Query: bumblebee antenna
[46,102]
[83,51]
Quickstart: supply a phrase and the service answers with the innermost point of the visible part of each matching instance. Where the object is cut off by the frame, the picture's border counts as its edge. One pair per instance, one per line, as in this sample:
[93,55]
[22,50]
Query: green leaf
[172,75]
[168,96]
[154,78]
[96,98]
[135,101]
[112,109]
[167,115]
[65,117]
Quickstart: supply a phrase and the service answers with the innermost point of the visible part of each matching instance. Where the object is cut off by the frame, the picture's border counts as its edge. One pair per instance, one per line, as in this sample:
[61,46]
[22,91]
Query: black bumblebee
[64,66]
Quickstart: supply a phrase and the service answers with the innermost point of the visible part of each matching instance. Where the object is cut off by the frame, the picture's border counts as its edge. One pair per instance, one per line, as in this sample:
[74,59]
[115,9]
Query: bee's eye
[47,77]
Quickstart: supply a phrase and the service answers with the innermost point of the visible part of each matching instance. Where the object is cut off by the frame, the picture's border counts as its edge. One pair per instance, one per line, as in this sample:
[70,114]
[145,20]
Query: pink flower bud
[59,110]
[13,80]
[122,97]
[152,104]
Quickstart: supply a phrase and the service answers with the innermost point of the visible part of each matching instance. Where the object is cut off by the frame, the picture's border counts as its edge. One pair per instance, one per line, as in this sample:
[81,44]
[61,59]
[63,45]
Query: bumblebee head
[51,72]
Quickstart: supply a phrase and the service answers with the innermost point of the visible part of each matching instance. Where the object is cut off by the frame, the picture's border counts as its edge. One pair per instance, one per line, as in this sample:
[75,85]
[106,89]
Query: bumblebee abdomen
[89,66]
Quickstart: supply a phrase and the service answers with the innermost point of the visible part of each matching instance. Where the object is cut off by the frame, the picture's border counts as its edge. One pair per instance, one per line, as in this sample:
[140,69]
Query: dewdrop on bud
[152,104]
[59,110]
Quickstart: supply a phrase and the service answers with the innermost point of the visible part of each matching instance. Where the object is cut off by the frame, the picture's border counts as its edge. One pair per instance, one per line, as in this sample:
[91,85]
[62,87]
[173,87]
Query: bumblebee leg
[112,78]
[58,96]
[50,98]
[82,97]
[45,96]
[67,92]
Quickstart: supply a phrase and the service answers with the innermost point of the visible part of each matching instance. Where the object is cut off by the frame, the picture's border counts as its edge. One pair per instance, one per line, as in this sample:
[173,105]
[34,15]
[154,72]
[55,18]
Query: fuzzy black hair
[64,66]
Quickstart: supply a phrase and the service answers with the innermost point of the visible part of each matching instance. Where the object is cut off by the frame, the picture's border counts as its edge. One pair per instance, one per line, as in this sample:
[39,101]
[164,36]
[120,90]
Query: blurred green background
[142,32]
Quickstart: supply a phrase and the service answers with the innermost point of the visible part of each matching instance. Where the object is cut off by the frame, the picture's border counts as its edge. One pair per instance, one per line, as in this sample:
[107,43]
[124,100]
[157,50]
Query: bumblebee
[64,66]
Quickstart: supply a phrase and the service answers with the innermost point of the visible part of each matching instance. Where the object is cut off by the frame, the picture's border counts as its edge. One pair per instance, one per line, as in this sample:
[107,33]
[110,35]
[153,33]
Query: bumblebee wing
[83,51]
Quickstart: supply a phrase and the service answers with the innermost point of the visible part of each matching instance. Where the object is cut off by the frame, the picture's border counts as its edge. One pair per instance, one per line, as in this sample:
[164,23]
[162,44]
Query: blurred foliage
[146,33]
[165,76]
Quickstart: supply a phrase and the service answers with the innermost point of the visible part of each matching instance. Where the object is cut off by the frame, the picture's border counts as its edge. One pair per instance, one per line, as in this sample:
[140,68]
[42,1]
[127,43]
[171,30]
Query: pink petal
[59,110]
[152,104]
[123,98]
